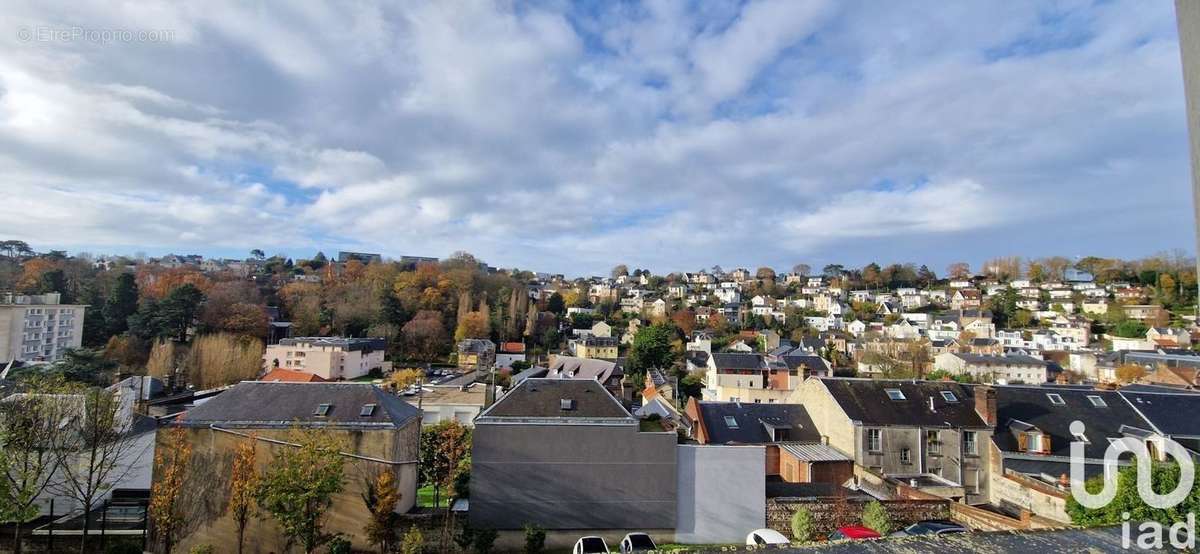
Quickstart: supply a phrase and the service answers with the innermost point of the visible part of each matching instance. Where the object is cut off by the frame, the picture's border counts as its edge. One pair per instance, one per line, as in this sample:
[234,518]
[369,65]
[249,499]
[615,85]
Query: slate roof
[542,398]
[252,404]
[697,357]
[983,359]
[737,360]
[1169,413]
[1032,405]
[867,401]
[350,344]
[808,360]
[752,420]
[571,367]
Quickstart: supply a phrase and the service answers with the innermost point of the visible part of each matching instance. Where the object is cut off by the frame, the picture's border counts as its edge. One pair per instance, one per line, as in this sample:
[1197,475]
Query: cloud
[567,137]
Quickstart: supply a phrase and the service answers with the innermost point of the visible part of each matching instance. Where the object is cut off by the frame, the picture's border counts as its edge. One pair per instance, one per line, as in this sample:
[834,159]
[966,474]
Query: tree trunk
[87,519]
[17,538]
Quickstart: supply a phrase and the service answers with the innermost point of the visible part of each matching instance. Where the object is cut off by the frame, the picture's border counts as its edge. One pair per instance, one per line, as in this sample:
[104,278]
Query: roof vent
[566,404]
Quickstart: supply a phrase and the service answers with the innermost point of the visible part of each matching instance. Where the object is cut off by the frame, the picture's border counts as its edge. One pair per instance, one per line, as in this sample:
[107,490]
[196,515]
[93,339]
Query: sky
[569,137]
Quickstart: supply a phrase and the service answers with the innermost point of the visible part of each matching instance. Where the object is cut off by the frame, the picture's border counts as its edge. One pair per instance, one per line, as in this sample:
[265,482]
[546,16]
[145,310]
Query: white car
[637,542]
[590,545]
[765,536]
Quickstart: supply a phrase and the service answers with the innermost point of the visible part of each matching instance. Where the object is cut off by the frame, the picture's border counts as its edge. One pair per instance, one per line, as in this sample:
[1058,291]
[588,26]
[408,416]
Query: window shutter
[1022,441]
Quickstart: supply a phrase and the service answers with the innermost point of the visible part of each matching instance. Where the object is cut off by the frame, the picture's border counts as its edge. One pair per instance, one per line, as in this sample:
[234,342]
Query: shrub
[802,525]
[535,539]
[413,541]
[339,545]
[484,539]
[876,517]
[202,549]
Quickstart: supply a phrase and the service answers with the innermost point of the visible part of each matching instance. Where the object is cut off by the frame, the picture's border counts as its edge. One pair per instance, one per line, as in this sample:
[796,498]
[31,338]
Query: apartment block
[36,328]
[330,358]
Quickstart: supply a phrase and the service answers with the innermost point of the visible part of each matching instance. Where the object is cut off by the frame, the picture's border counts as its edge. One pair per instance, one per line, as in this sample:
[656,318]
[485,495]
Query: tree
[425,335]
[1129,328]
[13,249]
[876,517]
[619,270]
[801,269]
[173,316]
[764,274]
[404,378]
[260,255]
[555,304]
[833,271]
[535,539]
[685,320]
[121,304]
[652,348]
[171,463]
[298,485]
[30,434]
[383,498]
[1130,373]
[442,447]
[958,270]
[243,482]
[99,450]
[222,359]
[1164,477]
[926,277]
[413,542]
[802,525]
[472,325]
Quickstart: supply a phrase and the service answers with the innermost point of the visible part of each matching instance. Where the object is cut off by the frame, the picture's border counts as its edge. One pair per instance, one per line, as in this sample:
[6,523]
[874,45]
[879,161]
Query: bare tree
[100,449]
[30,434]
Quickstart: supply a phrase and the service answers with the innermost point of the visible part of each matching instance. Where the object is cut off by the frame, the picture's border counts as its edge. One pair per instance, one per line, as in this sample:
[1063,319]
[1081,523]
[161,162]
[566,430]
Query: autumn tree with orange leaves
[382,498]
[172,461]
[243,481]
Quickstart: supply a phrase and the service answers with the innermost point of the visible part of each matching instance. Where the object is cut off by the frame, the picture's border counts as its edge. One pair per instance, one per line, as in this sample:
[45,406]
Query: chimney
[985,404]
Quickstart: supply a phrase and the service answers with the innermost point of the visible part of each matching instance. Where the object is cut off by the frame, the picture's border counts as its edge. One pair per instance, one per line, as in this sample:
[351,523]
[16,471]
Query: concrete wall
[829,514]
[572,477]
[722,493]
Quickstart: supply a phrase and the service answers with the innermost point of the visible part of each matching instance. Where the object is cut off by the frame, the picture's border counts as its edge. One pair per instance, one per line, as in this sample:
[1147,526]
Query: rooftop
[539,398]
[251,404]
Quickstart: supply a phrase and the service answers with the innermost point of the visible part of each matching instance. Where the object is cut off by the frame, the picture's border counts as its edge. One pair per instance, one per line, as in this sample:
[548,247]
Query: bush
[535,539]
[802,525]
[202,549]
[484,539]
[413,541]
[876,517]
[339,545]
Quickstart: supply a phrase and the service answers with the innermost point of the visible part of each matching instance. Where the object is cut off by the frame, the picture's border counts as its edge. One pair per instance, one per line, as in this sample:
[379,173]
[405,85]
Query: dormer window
[1056,399]
[322,410]
[894,394]
[566,404]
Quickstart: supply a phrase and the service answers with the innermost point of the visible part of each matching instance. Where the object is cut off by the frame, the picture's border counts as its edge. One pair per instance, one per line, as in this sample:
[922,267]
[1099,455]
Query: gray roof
[1016,359]
[543,398]
[363,344]
[813,452]
[752,420]
[253,404]
[737,360]
[867,401]
[572,367]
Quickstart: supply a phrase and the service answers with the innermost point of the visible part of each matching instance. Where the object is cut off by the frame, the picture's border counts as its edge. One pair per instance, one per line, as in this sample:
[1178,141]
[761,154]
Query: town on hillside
[368,403]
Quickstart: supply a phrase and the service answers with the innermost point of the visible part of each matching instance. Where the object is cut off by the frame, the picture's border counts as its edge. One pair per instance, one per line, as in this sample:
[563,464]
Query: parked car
[931,527]
[765,536]
[590,545]
[637,542]
[854,533]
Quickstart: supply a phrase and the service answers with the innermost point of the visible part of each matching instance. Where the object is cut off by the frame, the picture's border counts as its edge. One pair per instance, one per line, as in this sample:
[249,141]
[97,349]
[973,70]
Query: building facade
[330,358]
[38,328]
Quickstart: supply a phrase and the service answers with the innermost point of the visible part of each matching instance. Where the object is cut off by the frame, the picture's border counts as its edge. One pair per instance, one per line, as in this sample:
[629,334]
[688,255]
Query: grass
[425,498]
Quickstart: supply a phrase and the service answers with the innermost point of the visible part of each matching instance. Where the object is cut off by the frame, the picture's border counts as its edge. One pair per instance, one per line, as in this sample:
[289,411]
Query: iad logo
[1117,447]
[1151,533]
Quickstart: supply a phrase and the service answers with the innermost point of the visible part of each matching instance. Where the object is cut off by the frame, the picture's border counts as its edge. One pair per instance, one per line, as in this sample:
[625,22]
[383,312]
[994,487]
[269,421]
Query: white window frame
[895,394]
[874,440]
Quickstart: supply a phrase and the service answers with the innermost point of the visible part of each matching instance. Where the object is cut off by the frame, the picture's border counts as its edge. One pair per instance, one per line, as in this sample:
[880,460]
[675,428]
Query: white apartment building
[331,358]
[37,328]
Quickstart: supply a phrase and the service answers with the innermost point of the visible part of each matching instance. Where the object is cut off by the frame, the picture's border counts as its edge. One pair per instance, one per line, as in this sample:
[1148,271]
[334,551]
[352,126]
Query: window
[935,445]
[894,394]
[731,422]
[905,456]
[566,404]
[949,396]
[1097,401]
[874,440]
[969,442]
[323,410]
[367,410]
[1056,399]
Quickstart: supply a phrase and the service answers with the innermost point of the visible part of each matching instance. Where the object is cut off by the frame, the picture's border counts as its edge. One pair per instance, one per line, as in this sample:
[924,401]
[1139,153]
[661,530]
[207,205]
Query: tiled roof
[291,376]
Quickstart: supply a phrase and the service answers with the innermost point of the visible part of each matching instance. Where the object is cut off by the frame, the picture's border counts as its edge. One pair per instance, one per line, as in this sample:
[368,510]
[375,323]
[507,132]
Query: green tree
[876,517]
[802,525]
[443,447]
[652,348]
[169,318]
[413,541]
[1164,477]
[1130,328]
[55,281]
[298,485]
[556,304]
[121,304]
[535,539]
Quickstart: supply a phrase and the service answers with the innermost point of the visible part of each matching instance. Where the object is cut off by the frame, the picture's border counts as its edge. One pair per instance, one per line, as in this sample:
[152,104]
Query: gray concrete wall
[572,477]
[722,493]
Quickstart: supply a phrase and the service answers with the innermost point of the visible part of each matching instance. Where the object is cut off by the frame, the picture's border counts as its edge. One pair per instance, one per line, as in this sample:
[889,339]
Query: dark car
[637,542]
[931,527]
